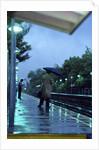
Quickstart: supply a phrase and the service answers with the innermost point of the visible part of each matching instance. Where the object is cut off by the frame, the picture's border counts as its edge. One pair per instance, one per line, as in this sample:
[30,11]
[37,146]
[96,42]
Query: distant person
[20,88]
[46,84]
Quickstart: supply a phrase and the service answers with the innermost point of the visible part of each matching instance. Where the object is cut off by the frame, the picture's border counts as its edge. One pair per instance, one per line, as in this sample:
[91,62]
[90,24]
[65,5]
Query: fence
[79,103]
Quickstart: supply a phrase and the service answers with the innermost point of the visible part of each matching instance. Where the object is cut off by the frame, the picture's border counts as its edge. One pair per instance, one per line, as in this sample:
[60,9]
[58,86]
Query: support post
[12,76]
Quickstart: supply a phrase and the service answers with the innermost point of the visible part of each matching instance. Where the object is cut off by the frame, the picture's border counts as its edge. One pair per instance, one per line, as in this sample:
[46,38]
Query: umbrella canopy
[53,70]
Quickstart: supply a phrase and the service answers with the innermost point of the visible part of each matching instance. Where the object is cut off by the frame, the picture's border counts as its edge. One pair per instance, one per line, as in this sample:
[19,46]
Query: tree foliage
[35,79]
[73,66]
[22,45]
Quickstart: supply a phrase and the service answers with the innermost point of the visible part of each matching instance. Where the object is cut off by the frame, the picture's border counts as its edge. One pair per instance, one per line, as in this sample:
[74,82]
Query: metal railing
[76,102]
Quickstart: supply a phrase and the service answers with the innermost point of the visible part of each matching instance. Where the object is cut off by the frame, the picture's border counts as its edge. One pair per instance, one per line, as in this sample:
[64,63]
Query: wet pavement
[57,120]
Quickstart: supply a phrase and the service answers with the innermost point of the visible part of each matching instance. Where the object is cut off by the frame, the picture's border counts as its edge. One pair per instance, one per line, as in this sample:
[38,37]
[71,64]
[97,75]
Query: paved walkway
[31,119]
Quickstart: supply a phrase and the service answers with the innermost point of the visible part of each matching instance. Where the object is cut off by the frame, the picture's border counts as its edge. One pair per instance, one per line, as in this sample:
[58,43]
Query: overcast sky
[51,47]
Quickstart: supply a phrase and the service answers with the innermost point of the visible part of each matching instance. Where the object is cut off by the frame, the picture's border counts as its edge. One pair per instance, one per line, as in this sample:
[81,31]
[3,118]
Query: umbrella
[53,70]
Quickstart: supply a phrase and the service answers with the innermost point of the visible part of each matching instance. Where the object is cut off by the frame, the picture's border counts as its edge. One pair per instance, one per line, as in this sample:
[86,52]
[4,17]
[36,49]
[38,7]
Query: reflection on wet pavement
[57,120]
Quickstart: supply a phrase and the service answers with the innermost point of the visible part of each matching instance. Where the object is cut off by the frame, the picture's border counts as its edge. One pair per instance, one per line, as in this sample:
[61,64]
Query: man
[46,84]
[20,88]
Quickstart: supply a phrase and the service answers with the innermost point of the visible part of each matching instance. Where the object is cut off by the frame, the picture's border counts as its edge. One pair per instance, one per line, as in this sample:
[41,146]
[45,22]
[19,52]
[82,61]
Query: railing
[79,103]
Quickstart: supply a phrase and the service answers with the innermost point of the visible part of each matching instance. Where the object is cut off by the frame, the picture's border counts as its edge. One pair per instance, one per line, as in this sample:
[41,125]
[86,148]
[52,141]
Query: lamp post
[71,83]
[66,83]
[91,81]
[60,84]
[14,29]
[78,86]
[17,76]
[12,76]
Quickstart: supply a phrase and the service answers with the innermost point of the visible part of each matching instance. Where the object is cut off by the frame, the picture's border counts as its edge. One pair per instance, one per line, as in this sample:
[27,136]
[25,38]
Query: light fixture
[17,28]
[25,89]
[16,68]
[78,75]
[91,73]
[17,50]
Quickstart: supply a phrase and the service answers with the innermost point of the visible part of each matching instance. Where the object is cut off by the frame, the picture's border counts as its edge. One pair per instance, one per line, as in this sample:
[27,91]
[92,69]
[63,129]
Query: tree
[23,46]
[86,63]
[79,82]
[35,79]
[71,67]
[82,66]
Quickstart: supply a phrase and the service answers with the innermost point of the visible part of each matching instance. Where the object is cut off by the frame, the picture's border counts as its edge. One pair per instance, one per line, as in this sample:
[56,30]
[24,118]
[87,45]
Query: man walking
[46,84]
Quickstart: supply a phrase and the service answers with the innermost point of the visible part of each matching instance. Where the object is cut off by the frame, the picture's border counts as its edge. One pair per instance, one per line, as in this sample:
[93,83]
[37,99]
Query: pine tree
[22,45]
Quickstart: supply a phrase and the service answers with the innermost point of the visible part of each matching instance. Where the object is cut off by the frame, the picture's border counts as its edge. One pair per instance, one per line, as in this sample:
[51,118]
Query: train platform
[31,121]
